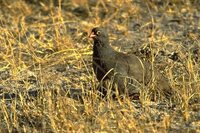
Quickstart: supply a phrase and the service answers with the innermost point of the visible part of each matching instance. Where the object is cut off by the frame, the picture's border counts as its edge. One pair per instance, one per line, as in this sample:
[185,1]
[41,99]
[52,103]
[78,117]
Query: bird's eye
[98,33]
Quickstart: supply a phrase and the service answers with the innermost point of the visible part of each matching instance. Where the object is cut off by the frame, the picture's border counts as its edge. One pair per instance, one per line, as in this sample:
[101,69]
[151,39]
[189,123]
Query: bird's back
[132,66]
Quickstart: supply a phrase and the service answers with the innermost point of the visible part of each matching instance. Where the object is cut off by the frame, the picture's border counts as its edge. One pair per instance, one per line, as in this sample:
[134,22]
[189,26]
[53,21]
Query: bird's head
[99,35]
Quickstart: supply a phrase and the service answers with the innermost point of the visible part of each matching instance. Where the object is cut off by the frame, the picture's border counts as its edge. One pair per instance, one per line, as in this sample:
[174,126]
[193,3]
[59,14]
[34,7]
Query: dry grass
[44,45]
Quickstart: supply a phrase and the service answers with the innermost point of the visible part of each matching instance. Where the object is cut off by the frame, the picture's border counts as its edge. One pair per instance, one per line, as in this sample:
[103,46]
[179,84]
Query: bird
[128,73]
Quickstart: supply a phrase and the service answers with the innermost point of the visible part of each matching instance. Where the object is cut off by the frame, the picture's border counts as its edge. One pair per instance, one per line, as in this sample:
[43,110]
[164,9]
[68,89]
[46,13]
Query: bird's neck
[102,49]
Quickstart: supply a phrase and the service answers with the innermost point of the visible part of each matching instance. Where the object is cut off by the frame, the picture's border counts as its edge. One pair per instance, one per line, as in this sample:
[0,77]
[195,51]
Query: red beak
[92,35]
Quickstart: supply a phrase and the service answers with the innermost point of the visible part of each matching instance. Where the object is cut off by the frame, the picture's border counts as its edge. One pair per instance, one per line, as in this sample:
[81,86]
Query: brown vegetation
[44,45]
